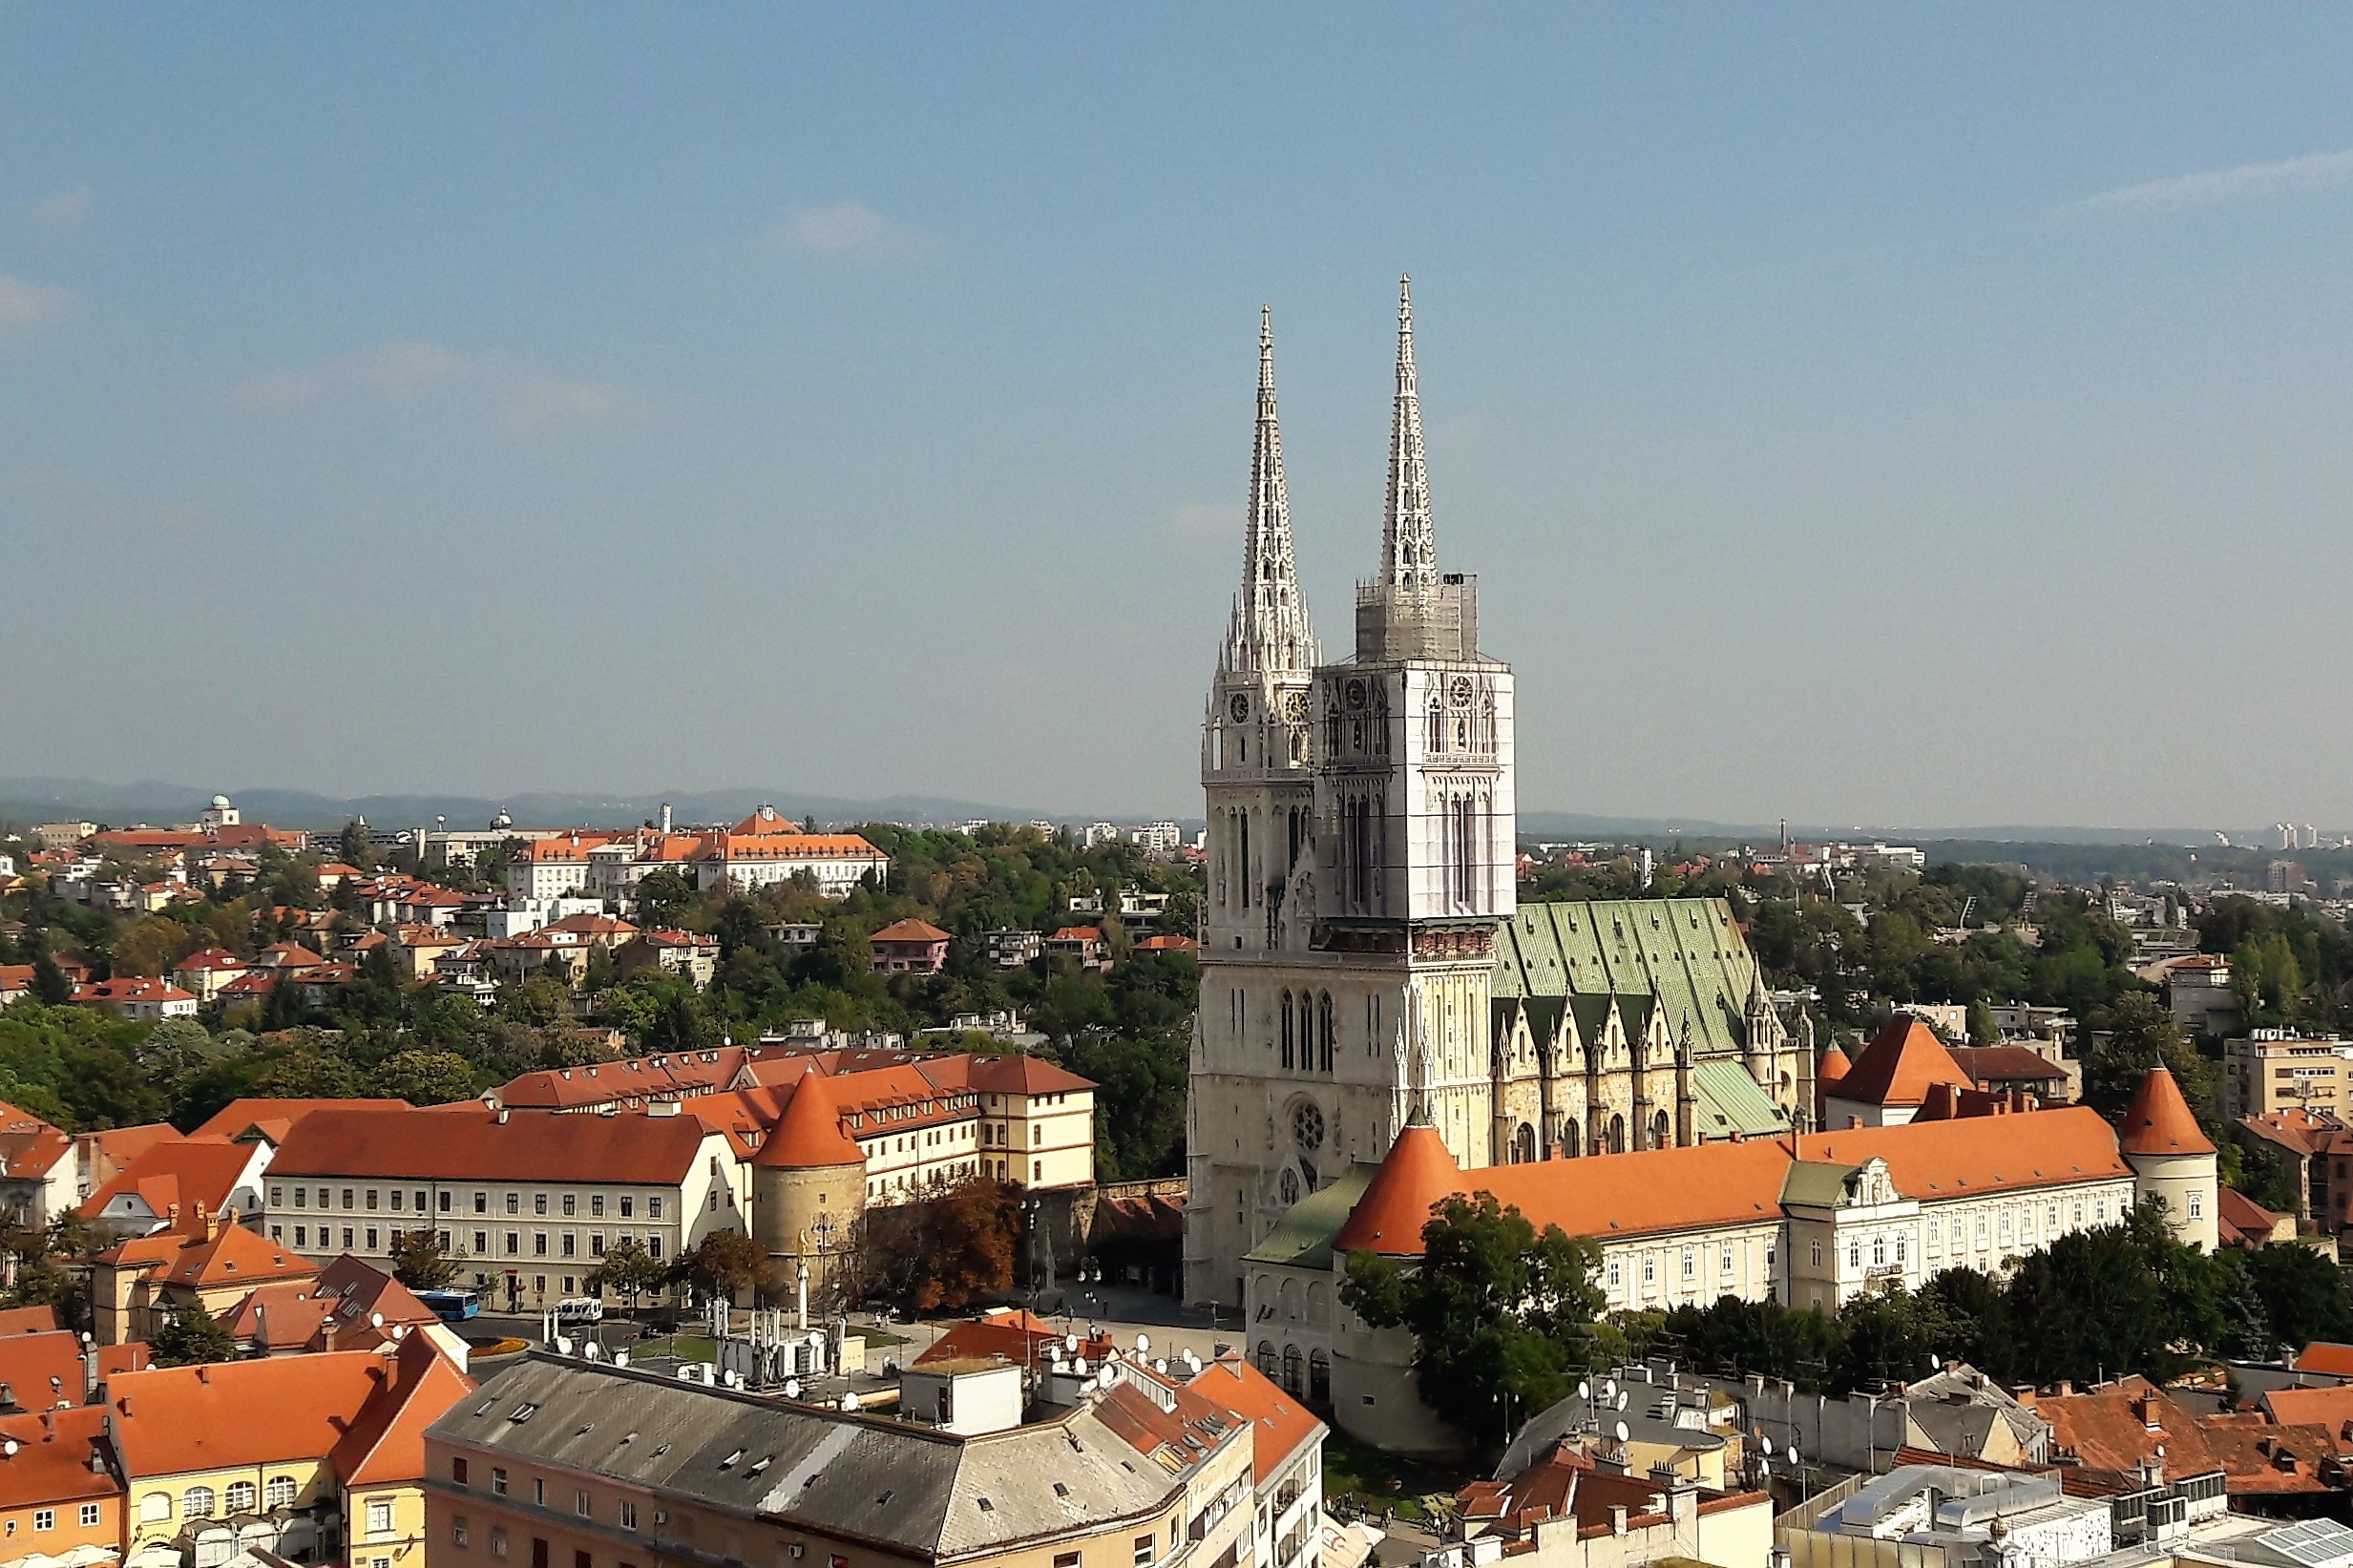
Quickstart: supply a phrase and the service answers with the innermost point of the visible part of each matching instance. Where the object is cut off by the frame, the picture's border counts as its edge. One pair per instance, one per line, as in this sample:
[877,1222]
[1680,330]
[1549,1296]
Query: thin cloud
[66,210]
[25,305]
[511,386]
[1202,522]
[2247,182]
[846,229]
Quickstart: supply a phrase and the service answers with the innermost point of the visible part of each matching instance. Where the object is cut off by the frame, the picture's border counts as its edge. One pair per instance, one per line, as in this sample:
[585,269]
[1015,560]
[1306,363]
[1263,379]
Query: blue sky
[1889,414]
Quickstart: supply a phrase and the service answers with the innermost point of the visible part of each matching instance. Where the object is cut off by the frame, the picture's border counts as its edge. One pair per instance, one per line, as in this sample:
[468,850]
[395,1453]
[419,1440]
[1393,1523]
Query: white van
[579,1309]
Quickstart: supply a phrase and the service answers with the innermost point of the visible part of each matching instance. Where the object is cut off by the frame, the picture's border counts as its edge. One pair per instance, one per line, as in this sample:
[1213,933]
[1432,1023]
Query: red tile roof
[27,1320]
[1015,1336]
[1991,1064]
[51,1460]
[2328,1357]
[42,1371]
[2117,1427]
[1897,1066]
[386,1443]
[204,1254]
[2158,1121]
[272,1118]
[134,988]
[811,1133]
[466,1142]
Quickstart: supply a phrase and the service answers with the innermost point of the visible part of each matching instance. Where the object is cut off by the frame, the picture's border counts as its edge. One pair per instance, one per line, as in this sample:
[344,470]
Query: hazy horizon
[1851,415]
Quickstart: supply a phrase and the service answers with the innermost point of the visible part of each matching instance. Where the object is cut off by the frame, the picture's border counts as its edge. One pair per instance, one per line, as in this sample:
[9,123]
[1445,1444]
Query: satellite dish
[375,1320]
[8,1447]
[850,1401]
[621,1358]
[1622,1431]
[1070,1342]
[1585,1390]
[1609,1387]
[1622,1398]
[1144,1345]
[1080,1366]
[792,1387]
[592,1349]
[1935,1365]
[1764,1467]
[563,1345]
[1768,1444]
[1790,1453]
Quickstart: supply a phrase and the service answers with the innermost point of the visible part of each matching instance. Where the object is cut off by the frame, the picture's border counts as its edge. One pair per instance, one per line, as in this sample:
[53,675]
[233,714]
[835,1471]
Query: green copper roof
[1815,1183]
[1302,1238]
[1729,1101]
[1687,953]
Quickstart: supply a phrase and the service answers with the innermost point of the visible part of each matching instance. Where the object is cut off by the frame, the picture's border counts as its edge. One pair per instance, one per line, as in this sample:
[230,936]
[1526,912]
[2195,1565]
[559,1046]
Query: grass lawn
[1375,1480]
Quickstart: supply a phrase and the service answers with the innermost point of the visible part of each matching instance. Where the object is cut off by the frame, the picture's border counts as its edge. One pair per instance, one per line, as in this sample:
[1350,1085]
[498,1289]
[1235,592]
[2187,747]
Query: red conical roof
[809,1132]
[1897,1066]
[1388,1219]
[2158,1121]
[1834,1067]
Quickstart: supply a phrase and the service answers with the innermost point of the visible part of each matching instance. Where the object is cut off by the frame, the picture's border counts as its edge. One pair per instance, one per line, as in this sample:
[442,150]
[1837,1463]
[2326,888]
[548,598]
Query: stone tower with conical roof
[808,1196]
[2173,1159]
[1361,851]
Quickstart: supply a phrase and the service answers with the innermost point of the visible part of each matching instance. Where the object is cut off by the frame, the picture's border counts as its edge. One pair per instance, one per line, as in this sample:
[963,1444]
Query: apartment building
[586,1465]
[526,1201]
[2271,1070]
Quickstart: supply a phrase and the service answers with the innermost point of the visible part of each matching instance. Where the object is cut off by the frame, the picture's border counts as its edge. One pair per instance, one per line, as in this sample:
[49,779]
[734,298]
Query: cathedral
[1364,960]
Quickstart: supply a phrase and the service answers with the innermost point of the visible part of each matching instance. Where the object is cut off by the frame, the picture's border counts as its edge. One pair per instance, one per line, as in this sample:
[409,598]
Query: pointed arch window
[1324,1030]
[1286,1030]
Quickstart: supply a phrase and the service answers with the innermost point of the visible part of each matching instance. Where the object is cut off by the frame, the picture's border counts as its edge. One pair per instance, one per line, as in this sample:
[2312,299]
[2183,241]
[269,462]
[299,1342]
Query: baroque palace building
[1364,958]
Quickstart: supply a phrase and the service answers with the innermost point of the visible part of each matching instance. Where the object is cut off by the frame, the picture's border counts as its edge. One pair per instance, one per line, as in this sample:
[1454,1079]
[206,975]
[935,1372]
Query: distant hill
[149,800]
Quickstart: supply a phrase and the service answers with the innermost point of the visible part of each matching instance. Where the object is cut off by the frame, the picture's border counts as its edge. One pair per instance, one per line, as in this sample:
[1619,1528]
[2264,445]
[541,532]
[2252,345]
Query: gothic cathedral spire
[1408,544]
[1269,632]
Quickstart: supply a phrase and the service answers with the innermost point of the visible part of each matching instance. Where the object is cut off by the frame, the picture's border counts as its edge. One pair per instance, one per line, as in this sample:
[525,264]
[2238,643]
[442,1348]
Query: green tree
[663,897]
[1499,1314]
[726,1263]
[629,1271]
[192,1338]
[425,1078]
[2303,1295]
[2136,1034]
[418,1261]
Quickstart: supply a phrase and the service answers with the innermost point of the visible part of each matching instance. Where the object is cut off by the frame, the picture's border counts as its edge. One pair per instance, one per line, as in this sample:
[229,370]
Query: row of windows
[1727,1264]
[568,1243]
[199,1503]
[46,1519]
[366,1198]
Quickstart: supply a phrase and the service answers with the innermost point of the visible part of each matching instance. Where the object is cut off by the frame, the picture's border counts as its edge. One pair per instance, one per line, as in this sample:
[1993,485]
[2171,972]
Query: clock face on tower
[1239,707]
[1461,691]
[1295,706]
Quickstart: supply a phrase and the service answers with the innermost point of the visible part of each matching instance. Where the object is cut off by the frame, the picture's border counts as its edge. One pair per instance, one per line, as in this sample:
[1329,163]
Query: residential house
[204,972]
[351,1306]
[60,1501]
[2267,1070]
[1011,949]
[203,1256]
[1080,945]
[176,1176]
[137,999]
[16,983]
[909,947]
[36,1168]
[1569,1508]
[691,955]
[2124,1432]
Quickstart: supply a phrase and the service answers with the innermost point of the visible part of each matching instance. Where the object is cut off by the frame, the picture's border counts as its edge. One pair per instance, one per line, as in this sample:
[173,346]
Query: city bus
[452,1306]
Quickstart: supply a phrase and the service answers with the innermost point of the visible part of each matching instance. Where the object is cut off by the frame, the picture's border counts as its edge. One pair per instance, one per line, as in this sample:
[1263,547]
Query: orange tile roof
[1167,944]
[1011,1075]
[15,978]
[1279,1422]
[30,1147]
[52,1453]
[2330,1408]
[206,1254]
[1897,1066]
[1078,934]
[182,1171]
[42,1371]
[467,1141]
[215,960]
[272,1118]
[811,1133]
[339,1310]
[2328,1357]
[170,1420]
[27,1320]
[910,930]
[386,1444]
[1416,1175]
[2119,1426]
[1655,1190]
[794,847]
[2158,1121]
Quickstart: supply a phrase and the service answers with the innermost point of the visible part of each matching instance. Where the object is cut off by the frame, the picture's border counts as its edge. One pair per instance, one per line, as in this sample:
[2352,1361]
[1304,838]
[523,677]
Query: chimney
[502,1115]
[1617,1518]
[1853,1123]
